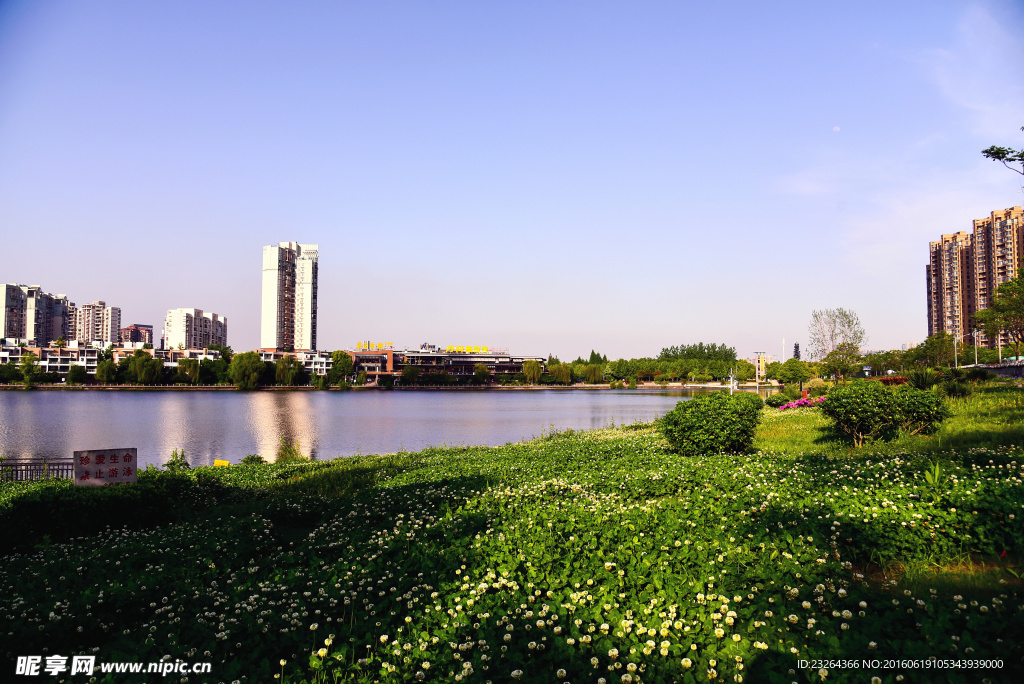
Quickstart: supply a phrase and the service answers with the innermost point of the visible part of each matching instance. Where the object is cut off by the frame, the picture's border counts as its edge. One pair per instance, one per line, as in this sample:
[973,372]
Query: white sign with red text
[105,466]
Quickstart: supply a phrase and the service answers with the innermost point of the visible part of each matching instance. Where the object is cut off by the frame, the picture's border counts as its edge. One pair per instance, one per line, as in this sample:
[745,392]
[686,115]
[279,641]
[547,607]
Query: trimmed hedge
[713,423]
[868,410]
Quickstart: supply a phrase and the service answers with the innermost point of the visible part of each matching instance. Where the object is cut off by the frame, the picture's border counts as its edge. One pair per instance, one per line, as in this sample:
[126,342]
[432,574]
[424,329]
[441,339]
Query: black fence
[22,471]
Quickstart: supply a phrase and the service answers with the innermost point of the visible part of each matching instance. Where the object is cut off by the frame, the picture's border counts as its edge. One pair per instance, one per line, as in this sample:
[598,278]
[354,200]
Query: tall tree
[106,372]
[532,370]
[1006,312]
[830,328]
[794,372]
[288,371]
[29,367]
[246,370]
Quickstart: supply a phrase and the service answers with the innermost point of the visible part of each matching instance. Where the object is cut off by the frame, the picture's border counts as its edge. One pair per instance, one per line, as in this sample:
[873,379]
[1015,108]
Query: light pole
[956,358]
[975,333]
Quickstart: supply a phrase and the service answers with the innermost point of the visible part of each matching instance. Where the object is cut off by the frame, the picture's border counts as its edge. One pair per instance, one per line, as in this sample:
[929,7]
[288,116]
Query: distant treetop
[699,352]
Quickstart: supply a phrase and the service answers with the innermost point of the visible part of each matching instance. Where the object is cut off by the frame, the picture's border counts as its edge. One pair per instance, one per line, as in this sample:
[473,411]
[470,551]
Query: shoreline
[310,388]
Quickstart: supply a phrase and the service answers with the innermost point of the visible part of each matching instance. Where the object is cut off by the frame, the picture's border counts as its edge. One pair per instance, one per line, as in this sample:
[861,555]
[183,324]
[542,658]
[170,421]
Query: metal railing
[23,471]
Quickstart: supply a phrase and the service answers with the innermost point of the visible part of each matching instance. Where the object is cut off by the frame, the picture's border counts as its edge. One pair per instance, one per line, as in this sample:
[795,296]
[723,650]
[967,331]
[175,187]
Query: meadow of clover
[599,557]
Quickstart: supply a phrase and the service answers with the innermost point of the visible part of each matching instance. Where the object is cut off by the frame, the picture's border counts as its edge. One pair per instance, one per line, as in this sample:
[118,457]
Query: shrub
[981,375]
[862,410]
[177,463]
[816,387]
[712,423]
[777,400]
[632,383]
[288,452]
[803,403]
[793,392]
[751,398]
[892,380]
[923,378]
[253,459]
[918,411]
[955,388]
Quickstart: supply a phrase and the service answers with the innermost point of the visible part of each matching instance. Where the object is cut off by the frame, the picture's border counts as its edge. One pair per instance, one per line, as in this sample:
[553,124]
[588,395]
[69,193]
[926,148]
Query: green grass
[600,553]
[992,418]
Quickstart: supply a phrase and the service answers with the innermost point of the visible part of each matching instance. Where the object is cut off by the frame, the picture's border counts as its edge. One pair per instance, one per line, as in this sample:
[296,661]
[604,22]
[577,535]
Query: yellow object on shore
[221,462]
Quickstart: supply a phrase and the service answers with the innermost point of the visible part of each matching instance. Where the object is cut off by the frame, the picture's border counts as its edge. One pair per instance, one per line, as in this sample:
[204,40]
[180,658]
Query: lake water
[229,425]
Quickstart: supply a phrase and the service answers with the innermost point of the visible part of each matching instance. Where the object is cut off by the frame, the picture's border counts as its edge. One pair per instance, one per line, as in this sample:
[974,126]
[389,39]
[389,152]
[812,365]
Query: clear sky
[547,176]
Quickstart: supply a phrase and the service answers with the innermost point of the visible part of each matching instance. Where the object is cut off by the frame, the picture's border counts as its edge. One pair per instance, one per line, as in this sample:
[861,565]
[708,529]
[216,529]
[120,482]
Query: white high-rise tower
[288,320]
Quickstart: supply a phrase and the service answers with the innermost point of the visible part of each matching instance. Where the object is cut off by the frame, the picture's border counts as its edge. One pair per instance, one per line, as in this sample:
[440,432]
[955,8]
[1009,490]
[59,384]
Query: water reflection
[229,425]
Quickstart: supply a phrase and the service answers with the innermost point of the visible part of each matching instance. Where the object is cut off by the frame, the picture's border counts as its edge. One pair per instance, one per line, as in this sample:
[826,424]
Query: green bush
[955,388]
[981,375]
[917,411]
[632,383]
[253,459]
[712,423]
[862,410]
[816,387]
[792,391]
[777,400]
[752,399]
[923,378]
[288,452]
[868,410]
[177,462]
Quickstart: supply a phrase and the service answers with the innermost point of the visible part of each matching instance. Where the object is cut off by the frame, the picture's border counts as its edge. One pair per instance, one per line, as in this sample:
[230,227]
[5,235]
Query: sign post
[100,467]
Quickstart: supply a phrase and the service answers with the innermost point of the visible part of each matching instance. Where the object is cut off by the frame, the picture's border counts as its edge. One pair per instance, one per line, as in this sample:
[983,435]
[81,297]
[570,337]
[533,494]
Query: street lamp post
[975,333]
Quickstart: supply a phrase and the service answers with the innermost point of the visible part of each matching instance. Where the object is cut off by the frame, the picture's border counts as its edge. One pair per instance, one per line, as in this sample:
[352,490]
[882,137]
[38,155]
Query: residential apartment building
[194,329]
[964,269]
[288,319]
[97,322]
[31,315]
[136,333]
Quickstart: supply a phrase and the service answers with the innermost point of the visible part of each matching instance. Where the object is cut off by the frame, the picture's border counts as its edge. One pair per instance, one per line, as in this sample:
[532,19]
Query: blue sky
[547,176]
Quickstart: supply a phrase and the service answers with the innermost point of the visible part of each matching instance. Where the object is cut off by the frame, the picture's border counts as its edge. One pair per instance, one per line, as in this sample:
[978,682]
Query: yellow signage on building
[375,346]
[460,349]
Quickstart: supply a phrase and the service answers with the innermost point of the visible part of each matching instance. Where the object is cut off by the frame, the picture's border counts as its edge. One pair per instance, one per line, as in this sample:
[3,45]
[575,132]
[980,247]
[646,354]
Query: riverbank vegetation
[574,557]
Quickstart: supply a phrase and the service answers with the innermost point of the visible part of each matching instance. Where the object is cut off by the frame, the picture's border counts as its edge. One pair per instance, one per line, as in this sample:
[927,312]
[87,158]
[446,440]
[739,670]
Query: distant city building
[34,316]
[964,269]
[194,329]
[137,333]
[96,322]
[288,320]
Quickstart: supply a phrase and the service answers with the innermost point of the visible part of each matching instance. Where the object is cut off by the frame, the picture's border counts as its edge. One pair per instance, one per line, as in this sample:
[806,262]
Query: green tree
[410,374]
[106,372]
[59,343]
[842,361]
[593,373]
[246,370]
[532,370]
[830,328]
[288,371]
[1006,156]
[29,368]
[189,369]
[341,366]
[226,352]
[481,373]
[77,375]
[794,372]
[361,378]
[1006,312]
[561,373]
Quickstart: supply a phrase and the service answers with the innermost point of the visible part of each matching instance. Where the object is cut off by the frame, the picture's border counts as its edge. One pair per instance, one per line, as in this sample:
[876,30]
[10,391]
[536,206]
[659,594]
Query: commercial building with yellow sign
[454,362]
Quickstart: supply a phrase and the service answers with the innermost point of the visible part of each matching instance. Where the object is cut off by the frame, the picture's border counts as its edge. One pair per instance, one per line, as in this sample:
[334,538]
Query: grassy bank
[571,558]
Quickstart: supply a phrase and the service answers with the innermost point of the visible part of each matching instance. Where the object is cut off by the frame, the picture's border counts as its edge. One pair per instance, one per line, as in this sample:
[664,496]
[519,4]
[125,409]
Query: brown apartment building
[964,269]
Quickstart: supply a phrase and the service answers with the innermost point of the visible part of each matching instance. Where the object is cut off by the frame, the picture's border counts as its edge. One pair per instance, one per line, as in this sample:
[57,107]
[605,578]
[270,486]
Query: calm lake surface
[229,425]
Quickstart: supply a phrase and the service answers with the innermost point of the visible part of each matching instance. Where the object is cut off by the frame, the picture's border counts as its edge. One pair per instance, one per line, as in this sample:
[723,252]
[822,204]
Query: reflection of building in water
[274,416]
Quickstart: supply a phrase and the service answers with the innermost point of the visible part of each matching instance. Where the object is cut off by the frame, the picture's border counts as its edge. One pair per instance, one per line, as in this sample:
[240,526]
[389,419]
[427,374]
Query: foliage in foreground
[868,410]
[602,554]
